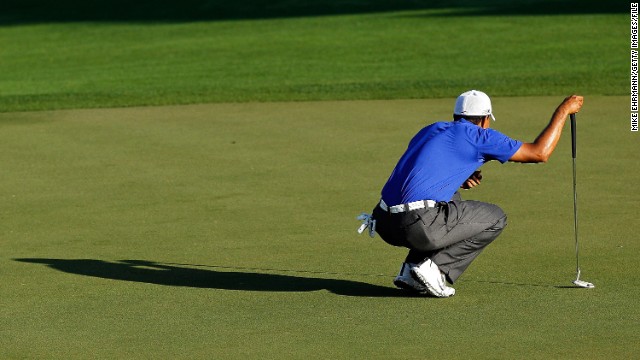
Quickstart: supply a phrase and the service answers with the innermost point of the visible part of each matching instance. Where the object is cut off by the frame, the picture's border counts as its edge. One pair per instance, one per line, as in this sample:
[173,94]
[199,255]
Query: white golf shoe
[429,275]
[406,282]
[447,290]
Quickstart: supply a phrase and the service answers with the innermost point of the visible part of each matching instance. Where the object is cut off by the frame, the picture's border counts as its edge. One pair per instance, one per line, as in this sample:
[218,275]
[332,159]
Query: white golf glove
[367,222]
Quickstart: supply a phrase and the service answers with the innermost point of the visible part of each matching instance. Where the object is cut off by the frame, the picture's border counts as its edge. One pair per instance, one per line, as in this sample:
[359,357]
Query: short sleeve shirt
[441,157]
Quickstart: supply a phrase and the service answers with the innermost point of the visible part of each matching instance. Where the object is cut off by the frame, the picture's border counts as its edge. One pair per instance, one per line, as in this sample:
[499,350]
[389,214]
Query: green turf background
[228,231]
[56,57]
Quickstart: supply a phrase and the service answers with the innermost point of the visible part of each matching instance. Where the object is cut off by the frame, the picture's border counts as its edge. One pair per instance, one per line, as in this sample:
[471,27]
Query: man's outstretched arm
[541,149]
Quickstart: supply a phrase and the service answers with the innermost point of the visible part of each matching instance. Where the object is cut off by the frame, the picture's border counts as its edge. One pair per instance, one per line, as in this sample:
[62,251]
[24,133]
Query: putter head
[582,283]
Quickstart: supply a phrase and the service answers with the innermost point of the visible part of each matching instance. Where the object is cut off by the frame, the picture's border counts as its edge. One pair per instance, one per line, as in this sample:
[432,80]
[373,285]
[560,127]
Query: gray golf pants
[452,234]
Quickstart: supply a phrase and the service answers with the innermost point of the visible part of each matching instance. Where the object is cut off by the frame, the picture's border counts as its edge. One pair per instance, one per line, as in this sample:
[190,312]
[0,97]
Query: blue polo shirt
[441,157]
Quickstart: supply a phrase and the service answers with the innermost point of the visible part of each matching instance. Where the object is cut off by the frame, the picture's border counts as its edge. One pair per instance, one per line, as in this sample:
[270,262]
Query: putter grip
[573,135]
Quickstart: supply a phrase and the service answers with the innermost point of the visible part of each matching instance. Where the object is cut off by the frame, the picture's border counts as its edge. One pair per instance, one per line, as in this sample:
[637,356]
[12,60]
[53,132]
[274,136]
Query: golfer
[420,207]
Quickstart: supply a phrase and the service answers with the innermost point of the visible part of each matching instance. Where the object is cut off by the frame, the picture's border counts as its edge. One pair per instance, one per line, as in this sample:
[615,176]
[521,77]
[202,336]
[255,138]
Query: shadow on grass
[39,11]
[171,275]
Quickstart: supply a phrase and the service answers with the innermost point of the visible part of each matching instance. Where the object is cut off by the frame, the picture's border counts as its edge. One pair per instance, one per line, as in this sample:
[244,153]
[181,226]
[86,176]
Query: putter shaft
[575,217]
[577,281]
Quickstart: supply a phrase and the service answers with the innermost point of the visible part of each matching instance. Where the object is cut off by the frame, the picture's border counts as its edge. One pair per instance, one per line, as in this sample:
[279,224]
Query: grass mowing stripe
[412,54]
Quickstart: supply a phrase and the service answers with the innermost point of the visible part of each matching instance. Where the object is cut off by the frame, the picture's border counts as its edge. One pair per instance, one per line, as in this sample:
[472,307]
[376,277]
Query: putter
[577,281]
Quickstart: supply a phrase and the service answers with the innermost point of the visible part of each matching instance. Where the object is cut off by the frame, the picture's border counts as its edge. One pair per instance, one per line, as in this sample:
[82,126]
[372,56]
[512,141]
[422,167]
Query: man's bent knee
[501,223]
[501,218]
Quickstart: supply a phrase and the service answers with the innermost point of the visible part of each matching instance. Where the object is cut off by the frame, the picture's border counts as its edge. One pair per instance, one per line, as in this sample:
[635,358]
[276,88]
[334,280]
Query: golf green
[227,231]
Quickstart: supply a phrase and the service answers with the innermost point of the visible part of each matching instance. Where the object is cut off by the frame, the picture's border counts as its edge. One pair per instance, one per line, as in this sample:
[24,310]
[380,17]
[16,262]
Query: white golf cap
[473,103]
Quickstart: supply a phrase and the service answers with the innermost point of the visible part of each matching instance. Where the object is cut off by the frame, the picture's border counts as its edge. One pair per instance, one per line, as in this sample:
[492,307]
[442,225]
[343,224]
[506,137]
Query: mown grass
[228,231]
[400,54]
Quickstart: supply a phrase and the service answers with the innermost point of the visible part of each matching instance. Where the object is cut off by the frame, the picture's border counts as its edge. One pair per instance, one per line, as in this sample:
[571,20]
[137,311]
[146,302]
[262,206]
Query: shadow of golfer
[169,275]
